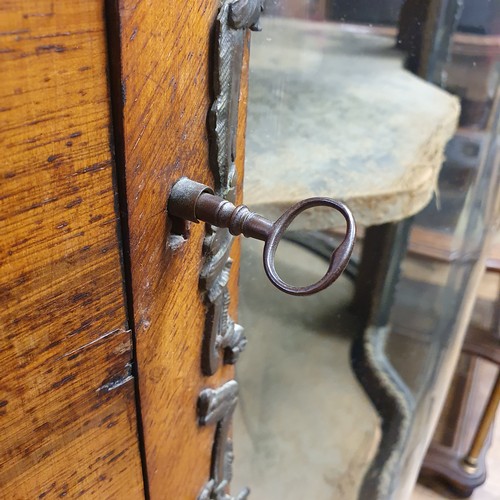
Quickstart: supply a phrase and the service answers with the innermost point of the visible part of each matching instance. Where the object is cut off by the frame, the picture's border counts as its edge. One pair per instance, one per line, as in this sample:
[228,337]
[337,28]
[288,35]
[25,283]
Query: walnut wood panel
[162,79]
[67,406]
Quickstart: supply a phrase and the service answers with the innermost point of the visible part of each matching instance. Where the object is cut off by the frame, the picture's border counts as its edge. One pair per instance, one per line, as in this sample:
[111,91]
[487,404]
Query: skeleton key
[190,200]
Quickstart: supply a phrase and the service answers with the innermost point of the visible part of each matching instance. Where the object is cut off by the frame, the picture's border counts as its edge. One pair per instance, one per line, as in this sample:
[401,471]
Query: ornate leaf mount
[234,18]
[221,332]
[245,14]
[216,406]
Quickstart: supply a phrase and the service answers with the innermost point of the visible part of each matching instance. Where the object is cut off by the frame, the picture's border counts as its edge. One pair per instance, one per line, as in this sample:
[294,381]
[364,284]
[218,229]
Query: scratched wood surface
[163,80]
[67,409]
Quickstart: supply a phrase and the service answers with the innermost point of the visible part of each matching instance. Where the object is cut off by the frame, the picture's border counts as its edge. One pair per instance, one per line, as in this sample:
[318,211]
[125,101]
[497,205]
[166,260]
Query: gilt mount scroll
[234,18]
[216,406]
[221,332]
[223,338]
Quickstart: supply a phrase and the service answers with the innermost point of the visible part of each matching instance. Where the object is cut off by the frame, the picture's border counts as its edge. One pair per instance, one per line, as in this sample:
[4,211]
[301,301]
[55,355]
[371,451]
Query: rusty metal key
[190,200]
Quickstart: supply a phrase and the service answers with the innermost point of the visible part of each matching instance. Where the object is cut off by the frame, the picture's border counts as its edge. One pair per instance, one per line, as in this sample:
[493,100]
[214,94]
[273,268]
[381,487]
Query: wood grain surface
[67,407]
[162,98]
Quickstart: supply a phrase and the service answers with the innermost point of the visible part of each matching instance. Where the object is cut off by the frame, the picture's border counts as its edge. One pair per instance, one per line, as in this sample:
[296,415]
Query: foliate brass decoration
[216,406]
[234,18]
[221,332]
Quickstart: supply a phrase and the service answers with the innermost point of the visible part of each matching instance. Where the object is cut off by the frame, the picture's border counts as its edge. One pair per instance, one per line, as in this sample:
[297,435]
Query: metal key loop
[196,202]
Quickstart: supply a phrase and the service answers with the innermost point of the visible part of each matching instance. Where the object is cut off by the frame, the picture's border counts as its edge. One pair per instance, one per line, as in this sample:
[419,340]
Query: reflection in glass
[306,427]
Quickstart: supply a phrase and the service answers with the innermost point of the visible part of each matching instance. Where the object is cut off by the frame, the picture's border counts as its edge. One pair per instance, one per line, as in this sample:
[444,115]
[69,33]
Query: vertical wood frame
[162,62]
[67,405]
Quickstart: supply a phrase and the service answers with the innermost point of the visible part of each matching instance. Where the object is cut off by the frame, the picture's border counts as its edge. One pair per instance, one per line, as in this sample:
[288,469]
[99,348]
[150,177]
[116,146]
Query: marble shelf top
[333,113]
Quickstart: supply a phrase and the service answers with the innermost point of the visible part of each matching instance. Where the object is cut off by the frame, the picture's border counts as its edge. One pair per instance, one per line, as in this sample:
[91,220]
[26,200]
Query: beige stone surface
[303,429]
[333,113]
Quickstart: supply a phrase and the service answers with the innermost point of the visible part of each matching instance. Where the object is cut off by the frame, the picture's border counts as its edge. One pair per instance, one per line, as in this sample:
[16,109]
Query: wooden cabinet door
[166,77]
[112,312]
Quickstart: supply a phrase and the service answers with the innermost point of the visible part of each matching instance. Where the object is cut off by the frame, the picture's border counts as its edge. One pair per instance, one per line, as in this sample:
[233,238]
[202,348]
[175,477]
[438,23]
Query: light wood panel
[162,76]
[67,408]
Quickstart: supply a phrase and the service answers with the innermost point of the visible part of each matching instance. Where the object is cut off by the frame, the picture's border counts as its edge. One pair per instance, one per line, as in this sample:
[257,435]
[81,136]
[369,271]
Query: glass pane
[340,392]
